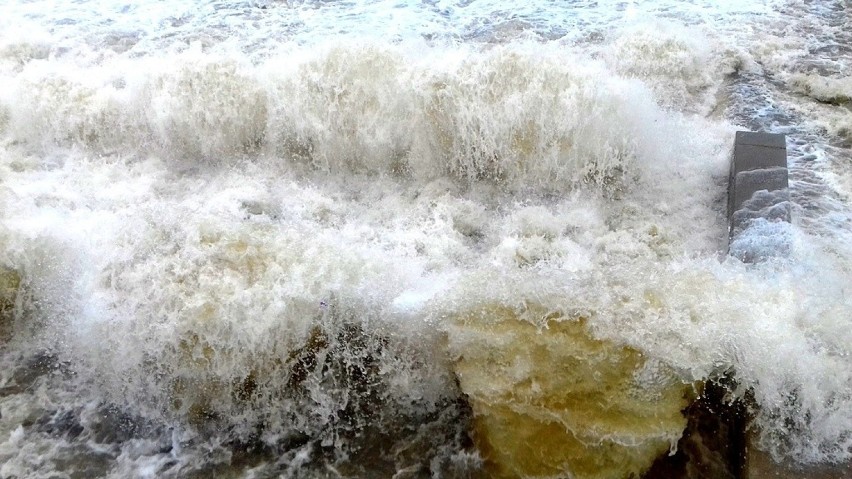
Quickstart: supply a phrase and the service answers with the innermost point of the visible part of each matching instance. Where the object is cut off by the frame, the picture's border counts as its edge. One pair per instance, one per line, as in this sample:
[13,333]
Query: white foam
[184,197]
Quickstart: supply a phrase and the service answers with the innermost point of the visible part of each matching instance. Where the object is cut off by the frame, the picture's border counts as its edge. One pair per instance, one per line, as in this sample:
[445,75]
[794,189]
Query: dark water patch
[713,444]
[354,429]
[84,464]
[111,424]
[366,437]
[436,446]
[30,370]
[229,460]
[60,423]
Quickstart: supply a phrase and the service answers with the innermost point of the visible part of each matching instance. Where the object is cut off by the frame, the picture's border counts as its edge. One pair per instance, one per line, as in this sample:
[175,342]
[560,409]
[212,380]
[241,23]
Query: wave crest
[510,115]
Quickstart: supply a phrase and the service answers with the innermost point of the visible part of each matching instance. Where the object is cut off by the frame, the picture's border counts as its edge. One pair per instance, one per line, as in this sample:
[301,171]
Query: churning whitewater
[389,239]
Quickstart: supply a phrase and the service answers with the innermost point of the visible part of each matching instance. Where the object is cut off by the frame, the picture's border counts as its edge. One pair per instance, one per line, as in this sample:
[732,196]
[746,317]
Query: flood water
[319,238]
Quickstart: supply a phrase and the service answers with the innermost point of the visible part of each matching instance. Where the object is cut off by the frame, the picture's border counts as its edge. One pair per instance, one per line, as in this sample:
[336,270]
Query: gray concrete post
[758,197]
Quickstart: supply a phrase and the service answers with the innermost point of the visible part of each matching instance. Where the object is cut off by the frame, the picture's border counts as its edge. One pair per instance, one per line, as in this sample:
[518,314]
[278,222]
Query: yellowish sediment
[10,281]
[549,400]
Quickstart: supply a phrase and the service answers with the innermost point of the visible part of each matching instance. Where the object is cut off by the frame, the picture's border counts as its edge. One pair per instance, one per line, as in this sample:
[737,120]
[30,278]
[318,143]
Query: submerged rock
[549,400]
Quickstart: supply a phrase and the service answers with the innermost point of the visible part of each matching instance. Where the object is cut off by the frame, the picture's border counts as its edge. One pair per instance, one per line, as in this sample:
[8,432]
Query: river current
[269,238]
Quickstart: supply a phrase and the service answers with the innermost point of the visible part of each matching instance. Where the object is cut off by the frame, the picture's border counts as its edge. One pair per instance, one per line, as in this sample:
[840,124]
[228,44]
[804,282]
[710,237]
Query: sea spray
[510,115]
[246,245]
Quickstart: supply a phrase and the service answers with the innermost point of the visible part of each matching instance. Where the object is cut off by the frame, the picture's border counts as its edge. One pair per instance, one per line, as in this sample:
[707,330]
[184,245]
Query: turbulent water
[239,236]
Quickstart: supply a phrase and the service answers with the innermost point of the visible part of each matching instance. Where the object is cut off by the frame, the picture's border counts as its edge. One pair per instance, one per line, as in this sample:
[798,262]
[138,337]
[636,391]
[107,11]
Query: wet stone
[750,182]
[758,189]
[762,205]
[771,140]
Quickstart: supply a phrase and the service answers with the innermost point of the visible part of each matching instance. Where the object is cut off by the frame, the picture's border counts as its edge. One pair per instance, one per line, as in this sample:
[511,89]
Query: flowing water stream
[271,238]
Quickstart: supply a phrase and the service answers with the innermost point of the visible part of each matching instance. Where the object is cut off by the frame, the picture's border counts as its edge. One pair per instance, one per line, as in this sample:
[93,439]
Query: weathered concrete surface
[758,181]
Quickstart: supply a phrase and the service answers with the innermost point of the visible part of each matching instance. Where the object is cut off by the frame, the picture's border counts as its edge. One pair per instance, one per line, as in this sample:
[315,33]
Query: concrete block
[758,182]
[747,183]
[753,157]
[771,140]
